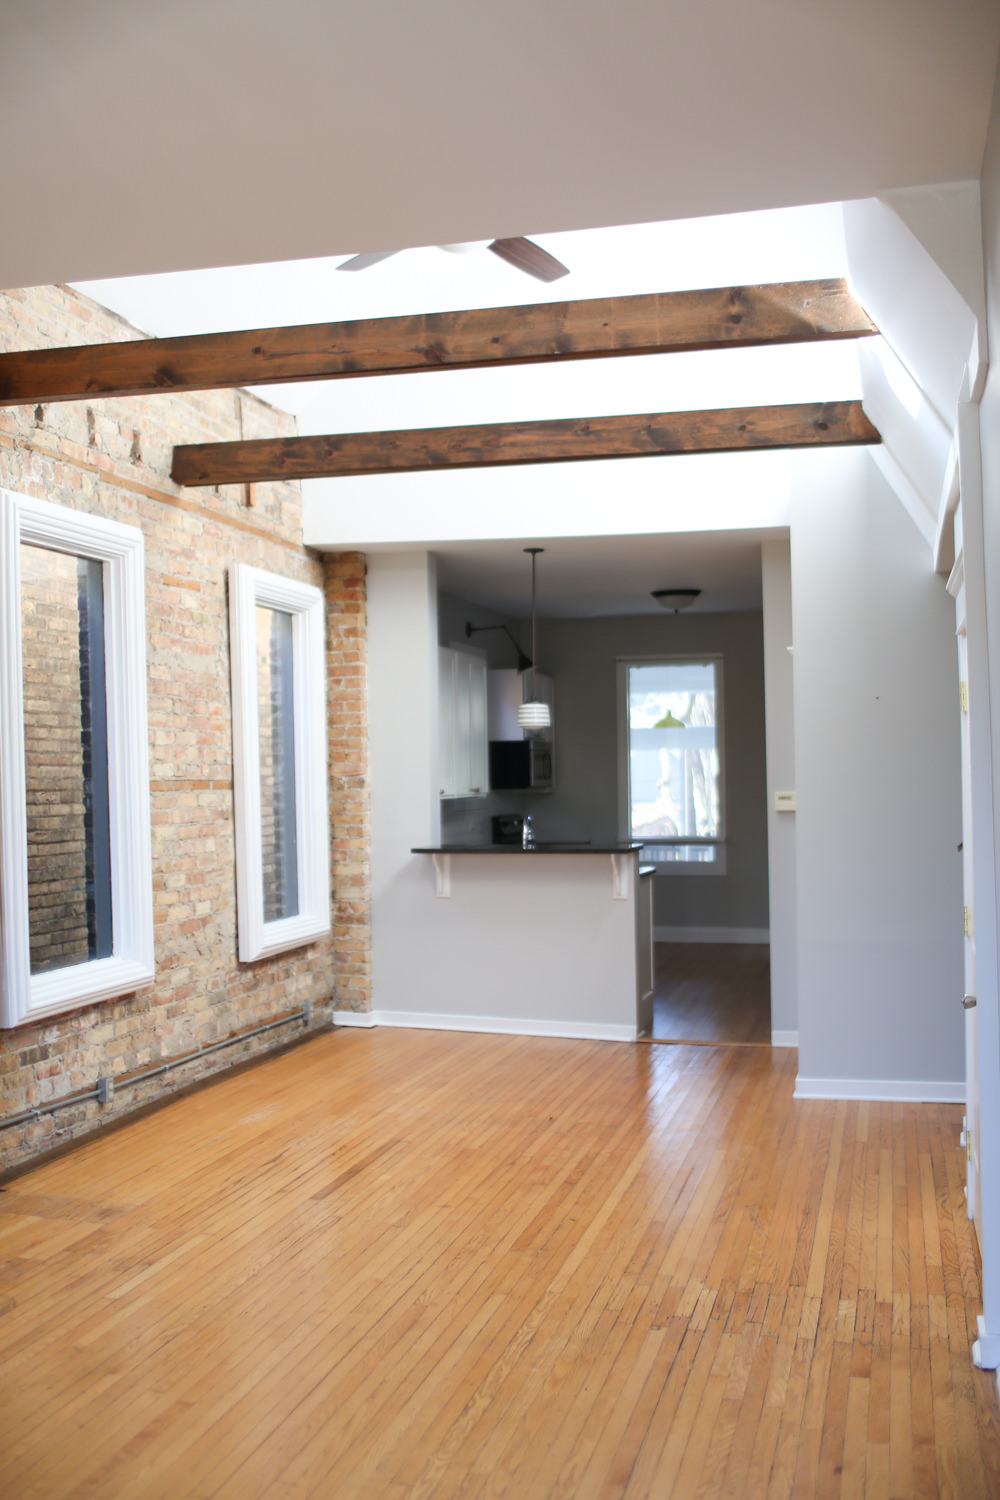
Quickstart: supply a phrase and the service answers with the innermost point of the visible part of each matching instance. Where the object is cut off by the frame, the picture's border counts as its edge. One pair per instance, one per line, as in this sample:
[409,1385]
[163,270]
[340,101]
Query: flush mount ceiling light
[532,714]
[675,599]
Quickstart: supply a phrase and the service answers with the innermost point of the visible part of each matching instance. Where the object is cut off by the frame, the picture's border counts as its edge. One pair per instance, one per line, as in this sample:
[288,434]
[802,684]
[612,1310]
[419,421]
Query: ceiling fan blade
[362,262]
[527,256]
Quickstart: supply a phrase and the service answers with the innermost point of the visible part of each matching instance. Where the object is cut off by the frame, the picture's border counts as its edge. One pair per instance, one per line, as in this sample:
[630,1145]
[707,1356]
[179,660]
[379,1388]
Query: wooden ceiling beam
[783,313]
[813,424]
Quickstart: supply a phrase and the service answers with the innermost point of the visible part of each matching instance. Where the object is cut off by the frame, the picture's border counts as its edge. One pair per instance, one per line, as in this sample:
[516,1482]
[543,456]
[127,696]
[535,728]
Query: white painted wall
[986,807]
[906,256]
[779,702]
[531,943]
[879,896]
[402,729]
[527,943]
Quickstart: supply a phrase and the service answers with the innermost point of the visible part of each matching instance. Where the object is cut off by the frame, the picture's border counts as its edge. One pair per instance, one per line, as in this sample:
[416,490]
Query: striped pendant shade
[534,715]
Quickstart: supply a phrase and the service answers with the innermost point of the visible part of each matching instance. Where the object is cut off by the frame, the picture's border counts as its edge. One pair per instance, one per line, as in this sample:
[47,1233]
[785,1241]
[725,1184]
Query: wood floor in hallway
[413,1264]
[712,992]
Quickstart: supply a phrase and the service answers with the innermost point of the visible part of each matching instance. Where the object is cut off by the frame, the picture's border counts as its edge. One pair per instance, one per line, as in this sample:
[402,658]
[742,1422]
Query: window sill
[84,984]
[685,859]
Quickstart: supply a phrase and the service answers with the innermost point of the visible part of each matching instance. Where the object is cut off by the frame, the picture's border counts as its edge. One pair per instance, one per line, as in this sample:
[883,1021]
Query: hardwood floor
[712,992]
[427,1265]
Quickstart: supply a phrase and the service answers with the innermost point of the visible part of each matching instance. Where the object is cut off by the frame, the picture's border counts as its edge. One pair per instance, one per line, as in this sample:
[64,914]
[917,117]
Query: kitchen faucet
[527,833]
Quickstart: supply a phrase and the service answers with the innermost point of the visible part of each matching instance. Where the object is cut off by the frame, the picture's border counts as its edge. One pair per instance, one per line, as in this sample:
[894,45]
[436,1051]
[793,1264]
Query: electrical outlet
[105,1090]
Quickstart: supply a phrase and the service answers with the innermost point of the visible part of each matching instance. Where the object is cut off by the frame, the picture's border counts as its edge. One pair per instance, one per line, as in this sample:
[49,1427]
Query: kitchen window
[279,762]
[670,761]
[75,860]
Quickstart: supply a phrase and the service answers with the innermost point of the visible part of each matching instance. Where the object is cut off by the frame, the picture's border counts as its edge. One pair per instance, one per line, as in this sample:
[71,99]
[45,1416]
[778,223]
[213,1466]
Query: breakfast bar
[552,940]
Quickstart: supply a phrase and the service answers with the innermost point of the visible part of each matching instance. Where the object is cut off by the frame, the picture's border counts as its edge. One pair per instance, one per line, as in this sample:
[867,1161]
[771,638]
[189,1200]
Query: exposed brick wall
[348,756]
[112,458]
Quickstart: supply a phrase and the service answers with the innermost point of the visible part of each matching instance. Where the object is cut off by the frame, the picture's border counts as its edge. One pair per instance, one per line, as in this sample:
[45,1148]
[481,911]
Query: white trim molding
[881,1090]
[711,935]
[784,1039]
[498,1025]
[986,1349]
[248,588]
[23,996]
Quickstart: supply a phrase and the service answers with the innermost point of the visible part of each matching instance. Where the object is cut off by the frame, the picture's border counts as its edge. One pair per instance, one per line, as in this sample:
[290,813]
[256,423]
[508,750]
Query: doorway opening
[712,994]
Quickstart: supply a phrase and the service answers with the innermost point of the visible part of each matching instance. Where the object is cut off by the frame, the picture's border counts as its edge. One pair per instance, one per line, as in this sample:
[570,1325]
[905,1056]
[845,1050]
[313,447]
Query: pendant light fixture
[532,714]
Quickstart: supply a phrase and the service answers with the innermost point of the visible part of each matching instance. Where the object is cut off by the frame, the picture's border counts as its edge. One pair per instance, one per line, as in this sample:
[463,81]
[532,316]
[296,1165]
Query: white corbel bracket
[621,876]
[442,875]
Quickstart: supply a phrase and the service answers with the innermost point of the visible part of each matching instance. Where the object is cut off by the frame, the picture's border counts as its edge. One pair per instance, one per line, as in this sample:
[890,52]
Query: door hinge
[967,921]
[963,697]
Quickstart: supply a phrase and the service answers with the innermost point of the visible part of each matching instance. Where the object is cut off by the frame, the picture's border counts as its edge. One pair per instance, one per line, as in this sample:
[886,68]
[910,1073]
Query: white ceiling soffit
[584,577]
[685,492]
[207,132]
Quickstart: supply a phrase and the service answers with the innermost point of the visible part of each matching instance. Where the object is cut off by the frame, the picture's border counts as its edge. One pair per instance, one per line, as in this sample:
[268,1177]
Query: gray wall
[453,613]
[580,655]
[403,757]
[879,905]
[779,700]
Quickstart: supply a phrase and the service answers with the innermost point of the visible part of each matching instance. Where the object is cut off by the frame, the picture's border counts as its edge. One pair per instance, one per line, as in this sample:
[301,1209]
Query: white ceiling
[478,521]
[148,138]
[143,137]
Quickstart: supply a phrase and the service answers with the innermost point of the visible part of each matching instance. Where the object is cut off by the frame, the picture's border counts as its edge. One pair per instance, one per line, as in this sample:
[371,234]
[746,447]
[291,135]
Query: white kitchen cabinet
[462,746]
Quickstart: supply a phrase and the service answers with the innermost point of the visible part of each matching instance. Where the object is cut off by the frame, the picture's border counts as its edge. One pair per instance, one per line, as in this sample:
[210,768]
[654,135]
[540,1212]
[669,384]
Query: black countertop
[541,846]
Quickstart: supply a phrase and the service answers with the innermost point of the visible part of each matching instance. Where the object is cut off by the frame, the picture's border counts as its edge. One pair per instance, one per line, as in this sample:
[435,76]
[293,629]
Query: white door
[971,1133]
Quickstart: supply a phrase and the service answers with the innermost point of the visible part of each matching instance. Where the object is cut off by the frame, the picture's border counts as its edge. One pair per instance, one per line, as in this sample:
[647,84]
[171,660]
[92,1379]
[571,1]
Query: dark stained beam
[814,424]
[784,313]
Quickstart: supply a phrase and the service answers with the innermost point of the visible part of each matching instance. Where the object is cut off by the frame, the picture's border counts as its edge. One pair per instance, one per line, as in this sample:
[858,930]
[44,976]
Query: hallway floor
[712,992]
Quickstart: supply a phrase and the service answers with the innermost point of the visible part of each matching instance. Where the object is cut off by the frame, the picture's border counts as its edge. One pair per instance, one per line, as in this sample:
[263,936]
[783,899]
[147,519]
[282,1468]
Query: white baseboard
[711,934]
[887,1090]
[500,1025]
[784,1039]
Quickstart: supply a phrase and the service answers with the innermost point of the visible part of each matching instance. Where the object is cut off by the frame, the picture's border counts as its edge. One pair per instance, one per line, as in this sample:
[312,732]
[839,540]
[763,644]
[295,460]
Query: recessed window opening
[276,716]
[65,758]
[76,898]
[279,762]
[674,759]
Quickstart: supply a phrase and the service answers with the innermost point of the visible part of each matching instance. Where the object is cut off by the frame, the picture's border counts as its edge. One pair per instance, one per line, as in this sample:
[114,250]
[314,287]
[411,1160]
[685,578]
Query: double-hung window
[671,795]
[279,762]
[75,862]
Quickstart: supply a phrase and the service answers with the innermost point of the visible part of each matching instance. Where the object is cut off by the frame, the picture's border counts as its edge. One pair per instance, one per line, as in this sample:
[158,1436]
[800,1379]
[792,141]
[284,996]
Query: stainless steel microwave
[521,765]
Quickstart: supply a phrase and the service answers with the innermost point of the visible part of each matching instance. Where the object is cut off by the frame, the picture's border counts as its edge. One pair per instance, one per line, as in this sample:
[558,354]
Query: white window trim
[678,867]
[248,588]
[26,997]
